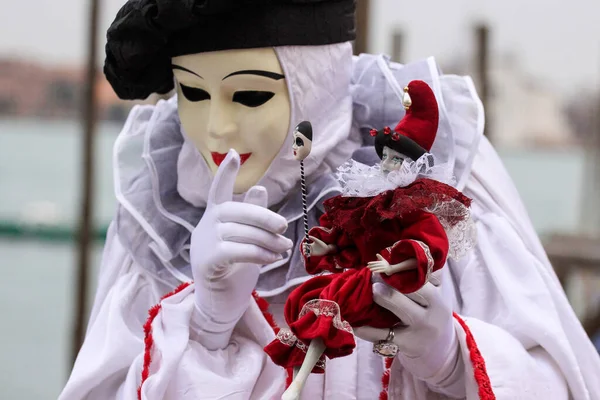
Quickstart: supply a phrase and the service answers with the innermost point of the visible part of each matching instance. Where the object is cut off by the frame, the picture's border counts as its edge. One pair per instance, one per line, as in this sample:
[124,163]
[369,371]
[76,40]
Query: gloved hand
[427,342]
[228,246]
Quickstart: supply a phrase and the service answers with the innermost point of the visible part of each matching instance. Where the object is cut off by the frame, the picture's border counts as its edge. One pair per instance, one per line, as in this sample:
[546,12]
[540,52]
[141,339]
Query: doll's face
[391,160]
[234,99]
[301,146]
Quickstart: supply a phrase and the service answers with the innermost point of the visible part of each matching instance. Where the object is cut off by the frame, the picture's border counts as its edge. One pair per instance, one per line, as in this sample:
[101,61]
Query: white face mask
[391,160]
[322,98]
[235,99]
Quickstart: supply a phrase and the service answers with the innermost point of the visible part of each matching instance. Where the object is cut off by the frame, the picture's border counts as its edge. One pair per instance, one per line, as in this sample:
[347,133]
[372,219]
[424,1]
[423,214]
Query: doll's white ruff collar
[361,180]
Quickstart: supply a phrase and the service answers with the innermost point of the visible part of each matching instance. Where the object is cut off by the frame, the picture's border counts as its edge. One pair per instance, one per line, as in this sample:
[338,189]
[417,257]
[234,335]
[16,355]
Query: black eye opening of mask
[299,141]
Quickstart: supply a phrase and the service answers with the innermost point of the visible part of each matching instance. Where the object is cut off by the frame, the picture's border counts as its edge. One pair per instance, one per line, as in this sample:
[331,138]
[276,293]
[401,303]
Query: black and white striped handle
[304,209]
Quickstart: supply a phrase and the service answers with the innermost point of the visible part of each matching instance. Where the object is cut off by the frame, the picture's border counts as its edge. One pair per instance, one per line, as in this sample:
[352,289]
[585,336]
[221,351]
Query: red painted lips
[219,157]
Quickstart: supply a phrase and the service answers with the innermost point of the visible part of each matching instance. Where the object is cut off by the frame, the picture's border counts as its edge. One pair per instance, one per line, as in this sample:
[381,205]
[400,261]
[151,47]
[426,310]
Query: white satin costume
[506,291]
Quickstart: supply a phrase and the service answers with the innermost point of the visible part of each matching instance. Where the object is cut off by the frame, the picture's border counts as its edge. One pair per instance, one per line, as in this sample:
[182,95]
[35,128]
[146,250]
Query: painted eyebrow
[266,74]
[185,69]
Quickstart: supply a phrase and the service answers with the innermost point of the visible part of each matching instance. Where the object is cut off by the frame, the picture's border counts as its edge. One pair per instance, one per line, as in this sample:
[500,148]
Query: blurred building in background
[35,90]
[527,111]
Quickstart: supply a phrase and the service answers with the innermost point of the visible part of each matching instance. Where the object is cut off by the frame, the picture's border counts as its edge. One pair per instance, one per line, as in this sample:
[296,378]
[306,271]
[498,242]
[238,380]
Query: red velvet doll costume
[398,224]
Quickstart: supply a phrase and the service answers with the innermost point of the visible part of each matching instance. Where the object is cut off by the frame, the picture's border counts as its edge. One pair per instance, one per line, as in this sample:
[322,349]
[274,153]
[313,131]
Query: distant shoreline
[58,120]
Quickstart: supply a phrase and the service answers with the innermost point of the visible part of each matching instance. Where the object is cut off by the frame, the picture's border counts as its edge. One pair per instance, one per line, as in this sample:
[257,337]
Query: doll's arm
[338,251]
[405,265]
[424,240]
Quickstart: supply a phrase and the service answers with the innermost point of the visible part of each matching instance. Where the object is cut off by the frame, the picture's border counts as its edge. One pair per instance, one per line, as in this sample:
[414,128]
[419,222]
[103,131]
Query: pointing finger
[222,186]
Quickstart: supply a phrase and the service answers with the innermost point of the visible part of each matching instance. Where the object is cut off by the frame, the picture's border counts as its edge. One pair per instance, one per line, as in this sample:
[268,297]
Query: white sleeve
[111,353]
[514,371]
[111,360]
[509,311]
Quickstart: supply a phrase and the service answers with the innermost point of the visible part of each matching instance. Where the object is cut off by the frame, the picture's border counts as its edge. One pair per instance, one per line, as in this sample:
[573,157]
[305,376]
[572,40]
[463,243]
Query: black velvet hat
[146,34]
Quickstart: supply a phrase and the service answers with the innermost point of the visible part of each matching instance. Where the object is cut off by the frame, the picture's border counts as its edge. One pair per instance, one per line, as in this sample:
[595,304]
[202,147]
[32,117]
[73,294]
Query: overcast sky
[555,40]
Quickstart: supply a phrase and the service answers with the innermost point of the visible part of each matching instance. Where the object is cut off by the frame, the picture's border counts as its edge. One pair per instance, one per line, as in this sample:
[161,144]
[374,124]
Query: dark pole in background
[590,214]
[482,62]
[362,27]
[591,196]
[88,117]
[595,165]
[397,42]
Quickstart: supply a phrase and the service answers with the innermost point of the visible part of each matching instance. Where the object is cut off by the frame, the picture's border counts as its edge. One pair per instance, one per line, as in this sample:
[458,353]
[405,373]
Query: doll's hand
[228,246]
[382,265]
[317,247]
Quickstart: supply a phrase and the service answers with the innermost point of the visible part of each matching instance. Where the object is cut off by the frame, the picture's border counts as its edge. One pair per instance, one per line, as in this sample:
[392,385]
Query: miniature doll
[398,221]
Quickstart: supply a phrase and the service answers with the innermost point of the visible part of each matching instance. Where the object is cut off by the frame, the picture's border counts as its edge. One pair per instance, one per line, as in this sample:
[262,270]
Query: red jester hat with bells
[415,133]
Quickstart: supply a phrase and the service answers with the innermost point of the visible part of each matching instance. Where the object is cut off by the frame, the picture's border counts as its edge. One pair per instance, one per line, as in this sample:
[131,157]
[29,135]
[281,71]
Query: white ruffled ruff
[361,180]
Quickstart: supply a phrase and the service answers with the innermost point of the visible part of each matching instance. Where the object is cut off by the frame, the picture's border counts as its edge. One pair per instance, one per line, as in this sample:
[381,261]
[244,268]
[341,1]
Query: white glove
[230,243]
[427,342]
